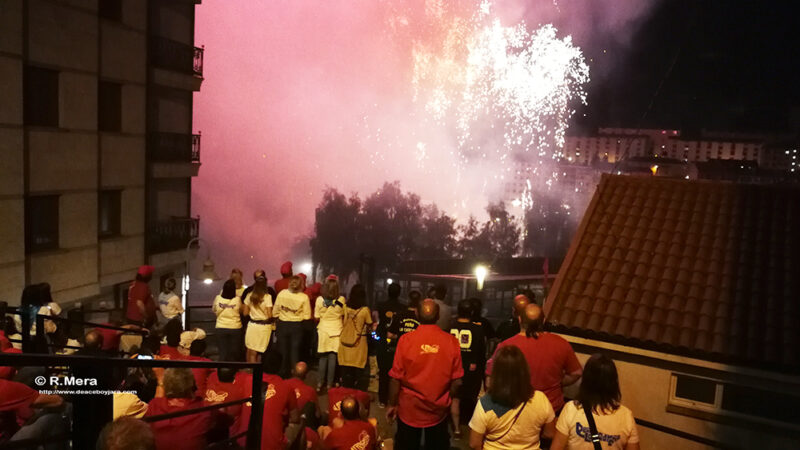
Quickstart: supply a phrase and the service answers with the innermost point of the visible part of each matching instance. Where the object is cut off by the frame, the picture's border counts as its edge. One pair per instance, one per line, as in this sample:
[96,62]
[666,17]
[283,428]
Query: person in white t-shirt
[228,307]
[258,305]
[599,393]
[168,301]
[512,414]
[329,311]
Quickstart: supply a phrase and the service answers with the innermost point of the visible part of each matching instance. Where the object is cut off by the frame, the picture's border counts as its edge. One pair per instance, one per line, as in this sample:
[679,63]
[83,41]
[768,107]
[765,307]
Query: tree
[549,228]
[498,237]
[437,239]
[334,245]
[389,225]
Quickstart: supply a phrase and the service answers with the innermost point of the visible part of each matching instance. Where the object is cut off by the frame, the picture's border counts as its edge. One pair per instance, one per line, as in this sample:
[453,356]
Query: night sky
[736,69]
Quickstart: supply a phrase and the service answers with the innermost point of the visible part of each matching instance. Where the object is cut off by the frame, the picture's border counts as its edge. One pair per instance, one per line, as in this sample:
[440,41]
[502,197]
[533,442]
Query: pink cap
[145,271]
[286,268]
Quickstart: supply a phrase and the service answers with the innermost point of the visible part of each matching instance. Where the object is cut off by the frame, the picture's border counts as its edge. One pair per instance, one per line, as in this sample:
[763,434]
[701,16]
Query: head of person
[428,312]
[464,309]
[511,379]
[414,299]
[532,320]
[179,383]
[304,278]
[477,308]
[226,374]
[93,341]
[519,304]
[126,433]
[45,293]
[330,289]
[358,297]
[172,332]
[295,284]
[237,276]
[286,269]
[258,274]
[260,285]
[256,297]
[229,289]
[271,362]
[169,285]
[439,291]
[145,273]
[198,347]
[349,408]
[599,389]
[300,370]
[150,344]
[32,295]
[393,291]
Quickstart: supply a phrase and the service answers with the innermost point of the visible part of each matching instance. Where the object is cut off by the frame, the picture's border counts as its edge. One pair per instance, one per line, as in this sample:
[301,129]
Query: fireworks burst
[503,95]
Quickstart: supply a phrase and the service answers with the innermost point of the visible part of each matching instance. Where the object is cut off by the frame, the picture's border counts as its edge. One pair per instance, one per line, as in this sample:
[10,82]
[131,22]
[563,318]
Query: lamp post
[207,275]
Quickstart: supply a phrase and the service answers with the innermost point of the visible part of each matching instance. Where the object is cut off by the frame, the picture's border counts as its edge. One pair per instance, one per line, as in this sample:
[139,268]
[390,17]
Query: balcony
[173,155]
[175,64]
[173,234]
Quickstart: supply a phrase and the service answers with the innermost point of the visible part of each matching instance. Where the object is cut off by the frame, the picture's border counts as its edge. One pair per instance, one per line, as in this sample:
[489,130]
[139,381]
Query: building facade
[90,188]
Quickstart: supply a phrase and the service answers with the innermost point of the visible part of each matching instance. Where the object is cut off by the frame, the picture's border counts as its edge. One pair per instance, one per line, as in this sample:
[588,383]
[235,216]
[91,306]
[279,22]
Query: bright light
[480,276]
[654,168]
[208,281]
[389,281]
[306,268]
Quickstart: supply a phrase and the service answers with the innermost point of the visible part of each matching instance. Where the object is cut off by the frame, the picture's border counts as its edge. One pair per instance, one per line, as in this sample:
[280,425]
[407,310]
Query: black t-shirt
[488,329]
[473,345]
[406,322]
[508,329]
[387,314]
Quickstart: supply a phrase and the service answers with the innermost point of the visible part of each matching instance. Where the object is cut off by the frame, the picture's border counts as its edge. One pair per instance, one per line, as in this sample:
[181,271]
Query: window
[40,90]
[41,223]
[108,212]
[110,9]
[109,106]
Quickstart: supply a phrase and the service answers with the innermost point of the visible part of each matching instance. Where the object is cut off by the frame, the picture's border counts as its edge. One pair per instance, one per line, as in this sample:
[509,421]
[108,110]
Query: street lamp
[480,275]
[208,275]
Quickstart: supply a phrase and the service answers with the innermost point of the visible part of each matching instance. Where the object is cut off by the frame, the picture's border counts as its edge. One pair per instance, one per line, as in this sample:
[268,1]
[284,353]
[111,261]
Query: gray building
[97,143]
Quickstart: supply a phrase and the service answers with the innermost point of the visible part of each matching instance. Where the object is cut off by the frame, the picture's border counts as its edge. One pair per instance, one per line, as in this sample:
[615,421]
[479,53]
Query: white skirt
[257,336]
[326,342]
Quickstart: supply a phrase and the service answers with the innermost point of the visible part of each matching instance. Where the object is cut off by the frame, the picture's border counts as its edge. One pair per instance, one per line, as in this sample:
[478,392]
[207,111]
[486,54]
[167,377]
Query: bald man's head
[520,302]
[428,312]
[300,370]
[93,340]
[349,408]
[532,320]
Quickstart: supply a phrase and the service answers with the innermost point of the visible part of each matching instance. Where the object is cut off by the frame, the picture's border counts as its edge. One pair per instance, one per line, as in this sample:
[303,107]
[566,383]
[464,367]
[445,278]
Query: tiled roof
[704,269]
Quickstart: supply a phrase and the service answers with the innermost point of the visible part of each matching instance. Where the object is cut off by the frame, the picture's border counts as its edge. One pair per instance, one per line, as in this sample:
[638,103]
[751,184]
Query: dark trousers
[290,335]
[385,361]
[353,377]
[468,393]
[229,343]
[436,437]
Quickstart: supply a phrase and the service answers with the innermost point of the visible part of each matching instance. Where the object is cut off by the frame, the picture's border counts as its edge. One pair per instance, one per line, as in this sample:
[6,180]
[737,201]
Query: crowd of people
[436,371]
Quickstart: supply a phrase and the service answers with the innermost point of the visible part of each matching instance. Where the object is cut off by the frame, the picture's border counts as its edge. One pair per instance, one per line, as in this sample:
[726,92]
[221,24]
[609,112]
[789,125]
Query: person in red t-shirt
[172,332]
[185,432]
[350,432]
[226,385]
[286,274]
[347,389]
[552,361]
[20,400]
[141,306]
[425,375]
[305,394]
[197,351]
[8,372]
[280,402]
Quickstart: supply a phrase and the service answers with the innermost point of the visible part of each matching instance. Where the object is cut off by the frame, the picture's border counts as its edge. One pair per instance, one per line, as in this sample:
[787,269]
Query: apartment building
[97,143]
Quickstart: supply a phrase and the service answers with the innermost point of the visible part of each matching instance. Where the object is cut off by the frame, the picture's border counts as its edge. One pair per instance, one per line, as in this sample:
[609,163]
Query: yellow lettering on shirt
[425,349]
[213,397]
[270,392]
[363,441]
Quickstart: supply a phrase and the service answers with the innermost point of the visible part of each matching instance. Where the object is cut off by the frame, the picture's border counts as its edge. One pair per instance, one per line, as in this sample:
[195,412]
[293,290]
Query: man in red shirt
[226,385]
[353,432]
[551,360]
[141,306]
[280,402]
[347,389]
[306,395]
[197,351]
[185,432]
[283,283]
[425,375]
[20,400]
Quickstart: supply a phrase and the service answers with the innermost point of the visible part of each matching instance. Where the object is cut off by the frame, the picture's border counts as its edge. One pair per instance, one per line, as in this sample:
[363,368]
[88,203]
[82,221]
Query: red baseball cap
[286,268]
[303,276]
[332,277]
[145,271]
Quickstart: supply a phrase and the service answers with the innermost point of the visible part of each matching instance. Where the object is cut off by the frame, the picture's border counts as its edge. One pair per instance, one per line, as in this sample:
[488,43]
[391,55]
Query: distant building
[97,143]
[691,286]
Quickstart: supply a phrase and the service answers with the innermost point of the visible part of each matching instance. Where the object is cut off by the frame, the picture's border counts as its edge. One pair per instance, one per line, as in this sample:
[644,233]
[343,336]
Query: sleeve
[318,309]
[633,433]
[368,317]
[564,424]
[545,406]
[571,364]
[268,301]
[215,305]
[275,308]
[306,309]
[15,396]
[478,421]
[458,368]
[246,300]
[398,371]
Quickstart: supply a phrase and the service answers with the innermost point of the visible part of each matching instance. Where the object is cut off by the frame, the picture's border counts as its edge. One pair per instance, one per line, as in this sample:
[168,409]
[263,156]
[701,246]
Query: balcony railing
[198,61]
[172,234]
[177,56]
[174,147]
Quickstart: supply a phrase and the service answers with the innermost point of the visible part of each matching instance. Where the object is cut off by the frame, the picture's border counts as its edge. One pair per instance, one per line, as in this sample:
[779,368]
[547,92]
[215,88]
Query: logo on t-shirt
[425,349]
[363,441]
[270,392]
[586,434]
[214,397]
[297,393]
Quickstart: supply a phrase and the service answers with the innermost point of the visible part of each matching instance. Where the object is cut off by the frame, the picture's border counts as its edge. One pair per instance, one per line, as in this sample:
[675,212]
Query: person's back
[351,431]
[337,394]
[185,432]
[439,294]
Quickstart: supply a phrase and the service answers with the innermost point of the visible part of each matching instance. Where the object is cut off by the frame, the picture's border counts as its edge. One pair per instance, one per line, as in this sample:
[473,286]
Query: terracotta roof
[704,269]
